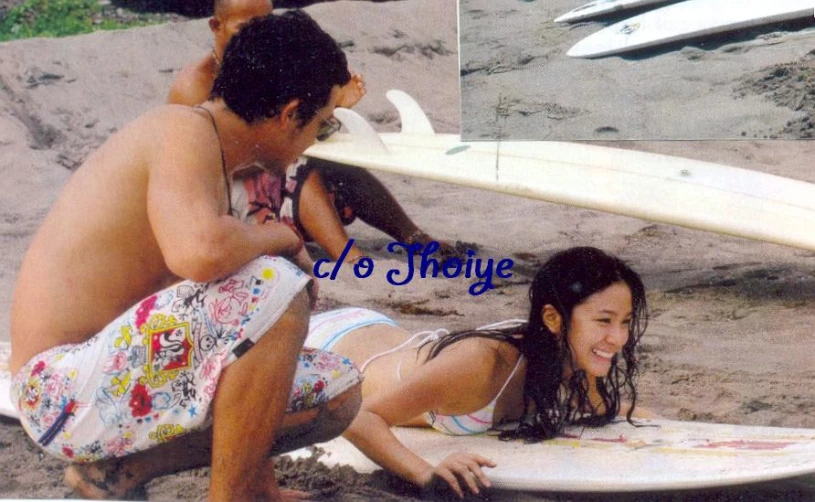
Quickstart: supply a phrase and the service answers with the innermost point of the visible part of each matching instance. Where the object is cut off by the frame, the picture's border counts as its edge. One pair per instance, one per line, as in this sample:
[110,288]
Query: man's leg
[371,201]
[368,198]
[114,478]
[248,417]
[248,408]
[317,215]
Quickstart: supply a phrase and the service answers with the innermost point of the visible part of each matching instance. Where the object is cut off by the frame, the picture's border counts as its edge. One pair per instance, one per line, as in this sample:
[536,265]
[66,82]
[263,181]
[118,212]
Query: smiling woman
[572,361]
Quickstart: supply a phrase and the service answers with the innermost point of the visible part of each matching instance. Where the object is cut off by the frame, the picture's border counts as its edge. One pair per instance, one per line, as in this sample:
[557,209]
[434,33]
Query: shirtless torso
[67,290]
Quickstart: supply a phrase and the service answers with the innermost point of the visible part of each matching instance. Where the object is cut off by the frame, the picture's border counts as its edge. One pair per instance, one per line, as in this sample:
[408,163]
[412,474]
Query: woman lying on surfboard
[572,361]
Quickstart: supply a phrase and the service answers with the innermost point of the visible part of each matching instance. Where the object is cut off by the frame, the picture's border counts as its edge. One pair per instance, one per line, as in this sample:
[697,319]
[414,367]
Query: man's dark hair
[275,59]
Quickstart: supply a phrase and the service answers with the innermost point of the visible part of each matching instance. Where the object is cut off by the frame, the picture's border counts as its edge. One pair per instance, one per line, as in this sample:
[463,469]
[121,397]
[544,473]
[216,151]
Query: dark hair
[565,281]
[275,59]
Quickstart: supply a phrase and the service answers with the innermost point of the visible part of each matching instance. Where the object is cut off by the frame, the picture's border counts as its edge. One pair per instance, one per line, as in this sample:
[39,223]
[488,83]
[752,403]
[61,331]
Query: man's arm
[187,207]
[191,87]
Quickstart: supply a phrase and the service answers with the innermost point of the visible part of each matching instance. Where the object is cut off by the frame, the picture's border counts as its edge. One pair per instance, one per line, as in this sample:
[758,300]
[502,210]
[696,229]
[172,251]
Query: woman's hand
[459,470]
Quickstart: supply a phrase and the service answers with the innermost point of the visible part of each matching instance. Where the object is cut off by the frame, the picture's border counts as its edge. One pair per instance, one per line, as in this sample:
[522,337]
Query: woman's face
[599,329]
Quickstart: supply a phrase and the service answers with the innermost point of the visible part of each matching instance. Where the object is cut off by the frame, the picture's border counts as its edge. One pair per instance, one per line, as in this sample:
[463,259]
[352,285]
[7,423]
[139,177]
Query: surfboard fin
[414,120]
[361,131]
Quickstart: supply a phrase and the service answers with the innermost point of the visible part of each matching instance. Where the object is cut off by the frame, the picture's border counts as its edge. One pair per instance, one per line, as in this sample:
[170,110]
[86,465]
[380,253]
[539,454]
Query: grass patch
[58,18]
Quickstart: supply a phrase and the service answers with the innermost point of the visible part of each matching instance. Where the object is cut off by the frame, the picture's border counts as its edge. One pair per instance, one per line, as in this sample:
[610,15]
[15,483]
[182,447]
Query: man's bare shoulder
[193,84]
[158,134]
[161,121]
[178,127]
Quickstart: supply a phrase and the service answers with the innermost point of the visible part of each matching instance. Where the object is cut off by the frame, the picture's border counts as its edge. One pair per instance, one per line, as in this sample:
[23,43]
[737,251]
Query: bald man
[318,197]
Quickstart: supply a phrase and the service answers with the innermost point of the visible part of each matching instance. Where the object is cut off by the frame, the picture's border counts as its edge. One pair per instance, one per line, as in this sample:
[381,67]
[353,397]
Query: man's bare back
[67,290]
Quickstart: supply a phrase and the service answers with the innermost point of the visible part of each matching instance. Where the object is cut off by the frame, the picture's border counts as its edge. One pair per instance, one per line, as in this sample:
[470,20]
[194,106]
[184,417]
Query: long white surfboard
[688,19]
[653,187]
[603,7]
[661,455]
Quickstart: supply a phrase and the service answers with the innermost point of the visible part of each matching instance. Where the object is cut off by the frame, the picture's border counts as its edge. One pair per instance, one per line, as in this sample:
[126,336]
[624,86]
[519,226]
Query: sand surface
[730,337]
[518,82]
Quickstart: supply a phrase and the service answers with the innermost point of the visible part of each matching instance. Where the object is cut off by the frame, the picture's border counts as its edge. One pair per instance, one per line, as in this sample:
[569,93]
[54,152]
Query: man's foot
[446,250]
[106,479]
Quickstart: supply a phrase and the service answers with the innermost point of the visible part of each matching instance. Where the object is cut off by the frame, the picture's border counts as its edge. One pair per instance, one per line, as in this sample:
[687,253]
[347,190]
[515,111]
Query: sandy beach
[518,82]
[729,338]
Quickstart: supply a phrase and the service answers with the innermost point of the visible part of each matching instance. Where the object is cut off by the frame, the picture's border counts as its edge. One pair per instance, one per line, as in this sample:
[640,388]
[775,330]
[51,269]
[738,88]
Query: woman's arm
[458,379]
[639,412]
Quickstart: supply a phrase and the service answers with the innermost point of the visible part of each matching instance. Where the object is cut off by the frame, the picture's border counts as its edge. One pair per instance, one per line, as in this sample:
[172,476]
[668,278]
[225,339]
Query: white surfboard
[603,7]
[653,187]
[662,455]
[6,408]
[688,19]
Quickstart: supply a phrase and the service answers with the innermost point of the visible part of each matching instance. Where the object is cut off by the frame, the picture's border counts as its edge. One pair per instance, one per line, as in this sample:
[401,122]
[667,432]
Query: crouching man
[152,332]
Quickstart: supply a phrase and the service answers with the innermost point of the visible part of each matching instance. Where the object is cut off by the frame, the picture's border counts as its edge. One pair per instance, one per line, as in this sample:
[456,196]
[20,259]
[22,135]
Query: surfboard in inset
[653,187]
[686,20]
[660,455]
[602,7]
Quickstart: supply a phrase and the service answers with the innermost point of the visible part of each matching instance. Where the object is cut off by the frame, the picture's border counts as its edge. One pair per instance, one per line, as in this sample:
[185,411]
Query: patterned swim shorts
[150,375]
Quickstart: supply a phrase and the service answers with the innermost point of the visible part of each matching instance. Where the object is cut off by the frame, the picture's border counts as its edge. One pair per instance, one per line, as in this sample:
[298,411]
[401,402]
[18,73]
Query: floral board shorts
[151,375]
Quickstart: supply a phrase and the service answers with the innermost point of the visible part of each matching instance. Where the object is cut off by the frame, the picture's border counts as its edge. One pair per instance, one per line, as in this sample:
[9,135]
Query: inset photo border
[519,82]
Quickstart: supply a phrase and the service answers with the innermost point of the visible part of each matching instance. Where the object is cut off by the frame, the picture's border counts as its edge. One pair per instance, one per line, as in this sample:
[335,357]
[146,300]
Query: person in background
[317,196]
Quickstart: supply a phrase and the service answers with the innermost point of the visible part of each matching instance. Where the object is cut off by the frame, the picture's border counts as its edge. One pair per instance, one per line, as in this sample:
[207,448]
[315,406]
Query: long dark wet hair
[565,281]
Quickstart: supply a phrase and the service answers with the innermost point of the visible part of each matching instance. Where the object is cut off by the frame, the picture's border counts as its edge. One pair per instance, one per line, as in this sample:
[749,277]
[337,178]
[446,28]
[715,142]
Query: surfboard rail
[600,8]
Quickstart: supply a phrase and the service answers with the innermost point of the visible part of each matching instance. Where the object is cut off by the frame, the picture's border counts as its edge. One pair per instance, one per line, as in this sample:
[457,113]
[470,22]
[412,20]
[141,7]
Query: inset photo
[637,69]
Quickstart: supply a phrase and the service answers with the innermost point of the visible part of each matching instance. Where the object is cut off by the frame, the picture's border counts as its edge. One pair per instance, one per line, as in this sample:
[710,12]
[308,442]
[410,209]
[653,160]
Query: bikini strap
[514,370]
[223,160]
[425,336]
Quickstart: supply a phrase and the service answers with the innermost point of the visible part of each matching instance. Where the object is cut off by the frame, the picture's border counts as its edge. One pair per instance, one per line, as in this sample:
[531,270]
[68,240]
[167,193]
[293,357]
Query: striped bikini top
[457,425]
[471,423]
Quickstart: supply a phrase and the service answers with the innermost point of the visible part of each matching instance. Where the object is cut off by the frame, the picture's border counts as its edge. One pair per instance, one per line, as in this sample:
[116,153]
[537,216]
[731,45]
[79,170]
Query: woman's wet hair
[275,59]
[551,401]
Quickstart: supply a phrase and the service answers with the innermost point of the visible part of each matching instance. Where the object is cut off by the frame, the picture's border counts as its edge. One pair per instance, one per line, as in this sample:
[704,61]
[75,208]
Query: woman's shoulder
[484,351]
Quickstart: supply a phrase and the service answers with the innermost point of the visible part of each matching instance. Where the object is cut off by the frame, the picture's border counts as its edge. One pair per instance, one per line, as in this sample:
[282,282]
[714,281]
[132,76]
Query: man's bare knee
[342,410]
[329,421]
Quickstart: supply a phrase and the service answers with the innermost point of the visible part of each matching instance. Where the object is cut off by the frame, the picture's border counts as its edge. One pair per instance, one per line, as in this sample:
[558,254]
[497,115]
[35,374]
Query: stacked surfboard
[600,8]
[679,21]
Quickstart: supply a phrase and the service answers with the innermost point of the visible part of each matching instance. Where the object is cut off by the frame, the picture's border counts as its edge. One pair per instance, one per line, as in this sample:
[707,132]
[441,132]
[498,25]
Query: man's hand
[306,264]
[298,254]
